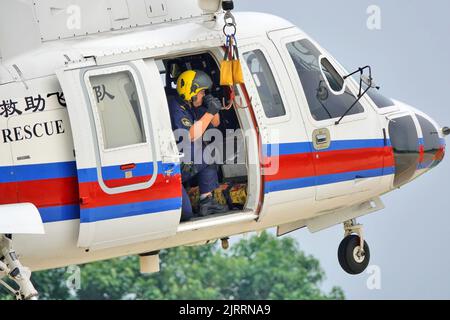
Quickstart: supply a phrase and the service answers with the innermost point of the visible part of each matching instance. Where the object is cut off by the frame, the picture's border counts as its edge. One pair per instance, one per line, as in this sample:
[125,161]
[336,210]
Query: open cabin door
[127,162]
[287,164]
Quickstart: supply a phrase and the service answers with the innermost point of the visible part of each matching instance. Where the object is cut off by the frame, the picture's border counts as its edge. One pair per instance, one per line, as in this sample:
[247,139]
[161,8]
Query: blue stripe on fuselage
[59,213]
[60,170]
[305,147]
[38,172]
[298,183]
[129,210]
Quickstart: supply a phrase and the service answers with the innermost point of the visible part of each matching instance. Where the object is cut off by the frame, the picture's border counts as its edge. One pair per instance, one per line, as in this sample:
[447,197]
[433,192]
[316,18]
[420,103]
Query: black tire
[341,254]
[346,255]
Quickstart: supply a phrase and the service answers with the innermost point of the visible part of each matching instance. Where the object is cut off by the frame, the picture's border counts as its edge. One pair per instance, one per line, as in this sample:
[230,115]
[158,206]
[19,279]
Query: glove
[212,104]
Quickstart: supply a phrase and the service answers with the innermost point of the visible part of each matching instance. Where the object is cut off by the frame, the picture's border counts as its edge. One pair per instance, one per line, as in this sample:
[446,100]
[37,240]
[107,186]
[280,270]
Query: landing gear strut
[353,252]
[11,267]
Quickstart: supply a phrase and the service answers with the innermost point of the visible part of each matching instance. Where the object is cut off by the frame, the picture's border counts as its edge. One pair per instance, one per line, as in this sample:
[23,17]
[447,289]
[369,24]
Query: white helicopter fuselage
[98,202]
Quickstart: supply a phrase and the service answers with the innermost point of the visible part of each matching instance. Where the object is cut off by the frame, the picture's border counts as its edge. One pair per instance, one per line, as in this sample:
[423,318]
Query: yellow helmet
[191,82]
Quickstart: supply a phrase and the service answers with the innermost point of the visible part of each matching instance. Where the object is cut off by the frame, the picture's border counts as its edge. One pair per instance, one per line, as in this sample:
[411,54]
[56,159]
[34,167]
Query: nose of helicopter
[445,132]
[432,145]
[415,154]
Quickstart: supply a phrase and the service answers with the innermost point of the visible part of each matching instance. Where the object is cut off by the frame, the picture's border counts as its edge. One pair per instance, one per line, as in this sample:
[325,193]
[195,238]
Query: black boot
[209,205]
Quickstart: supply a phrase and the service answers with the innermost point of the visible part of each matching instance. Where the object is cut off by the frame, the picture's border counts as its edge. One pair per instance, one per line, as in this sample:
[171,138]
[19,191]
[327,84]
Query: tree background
[259,268]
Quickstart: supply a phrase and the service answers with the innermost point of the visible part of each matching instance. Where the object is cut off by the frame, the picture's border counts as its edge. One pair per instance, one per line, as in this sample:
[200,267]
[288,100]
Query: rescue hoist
[230,68]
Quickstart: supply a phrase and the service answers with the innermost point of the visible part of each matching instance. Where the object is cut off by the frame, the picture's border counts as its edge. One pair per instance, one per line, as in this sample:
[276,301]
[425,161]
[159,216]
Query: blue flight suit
[183,116]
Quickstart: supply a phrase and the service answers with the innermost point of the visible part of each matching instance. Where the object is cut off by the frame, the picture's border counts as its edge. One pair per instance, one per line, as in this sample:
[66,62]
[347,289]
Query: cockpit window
[380,100]
[335,80]
[405,142]
[323,103]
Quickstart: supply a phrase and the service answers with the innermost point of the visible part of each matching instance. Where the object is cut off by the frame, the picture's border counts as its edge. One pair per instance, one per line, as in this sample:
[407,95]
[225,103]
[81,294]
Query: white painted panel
[59,19]
[156,8]
[67,18]
[27,31]
[53,142]
[22,218]
[345,214]
[119,10]
[145,227]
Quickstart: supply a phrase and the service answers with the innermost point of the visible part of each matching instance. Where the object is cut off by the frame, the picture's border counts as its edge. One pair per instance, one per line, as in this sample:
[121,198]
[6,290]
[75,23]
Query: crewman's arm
[199,127]
[216,120]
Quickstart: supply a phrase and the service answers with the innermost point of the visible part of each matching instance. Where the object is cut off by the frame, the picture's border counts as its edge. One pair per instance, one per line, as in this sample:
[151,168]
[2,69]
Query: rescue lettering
[9,108]
[35,103]
[60,97]
[37,130]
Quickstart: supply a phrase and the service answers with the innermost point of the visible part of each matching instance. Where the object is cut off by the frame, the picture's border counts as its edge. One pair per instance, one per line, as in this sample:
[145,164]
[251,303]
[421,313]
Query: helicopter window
[334,79]
[380,100]
[431,141]
[323,104]
[118,108]
[405,142]
[265,83]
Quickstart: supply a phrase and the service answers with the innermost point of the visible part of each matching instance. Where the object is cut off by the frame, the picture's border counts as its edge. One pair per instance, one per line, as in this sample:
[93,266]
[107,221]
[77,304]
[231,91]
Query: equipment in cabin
[233,195]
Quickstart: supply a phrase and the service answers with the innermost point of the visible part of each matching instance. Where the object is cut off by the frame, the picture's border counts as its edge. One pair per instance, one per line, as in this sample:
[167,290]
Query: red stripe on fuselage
[64,191]
[51,192]
[164,188]
[8,193]
[42,193]
[389,157]
[421,153]
[331,162]
[439,156]
[291,166]
[340,161]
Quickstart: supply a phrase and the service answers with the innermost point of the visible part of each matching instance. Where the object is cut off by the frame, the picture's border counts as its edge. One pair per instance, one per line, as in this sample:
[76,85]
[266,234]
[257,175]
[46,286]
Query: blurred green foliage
[259,268]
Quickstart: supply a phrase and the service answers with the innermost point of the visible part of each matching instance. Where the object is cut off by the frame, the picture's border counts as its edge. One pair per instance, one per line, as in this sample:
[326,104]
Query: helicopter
[90,168]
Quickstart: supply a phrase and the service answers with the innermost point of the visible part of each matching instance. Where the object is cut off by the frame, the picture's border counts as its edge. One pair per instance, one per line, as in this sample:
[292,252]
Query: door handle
[321,139]
[129,166]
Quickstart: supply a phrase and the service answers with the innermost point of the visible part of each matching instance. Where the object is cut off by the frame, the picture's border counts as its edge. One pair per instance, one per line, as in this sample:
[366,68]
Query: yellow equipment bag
[226,73]
[238,77]
[230,68]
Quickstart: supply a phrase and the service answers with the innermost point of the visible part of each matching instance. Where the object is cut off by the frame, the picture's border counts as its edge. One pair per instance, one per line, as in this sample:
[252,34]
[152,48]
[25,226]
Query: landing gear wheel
[351,258]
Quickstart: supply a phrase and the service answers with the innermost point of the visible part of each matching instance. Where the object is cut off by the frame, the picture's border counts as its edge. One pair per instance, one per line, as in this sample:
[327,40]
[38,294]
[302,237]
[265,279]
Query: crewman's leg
[186,208]
[208,181]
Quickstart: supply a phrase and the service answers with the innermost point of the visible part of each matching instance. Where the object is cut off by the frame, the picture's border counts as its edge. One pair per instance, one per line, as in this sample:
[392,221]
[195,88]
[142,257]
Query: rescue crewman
[194,111]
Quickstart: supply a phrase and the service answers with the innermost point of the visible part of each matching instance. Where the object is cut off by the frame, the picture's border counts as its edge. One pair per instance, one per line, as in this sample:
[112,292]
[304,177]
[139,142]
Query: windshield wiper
[362,80]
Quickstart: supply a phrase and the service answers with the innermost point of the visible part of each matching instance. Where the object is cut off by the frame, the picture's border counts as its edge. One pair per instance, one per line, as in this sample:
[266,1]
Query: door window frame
[253,47]
[97,130]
